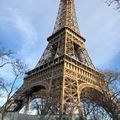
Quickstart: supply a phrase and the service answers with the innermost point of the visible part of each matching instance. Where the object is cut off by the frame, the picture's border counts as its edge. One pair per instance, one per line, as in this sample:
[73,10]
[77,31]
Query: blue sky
[26,24]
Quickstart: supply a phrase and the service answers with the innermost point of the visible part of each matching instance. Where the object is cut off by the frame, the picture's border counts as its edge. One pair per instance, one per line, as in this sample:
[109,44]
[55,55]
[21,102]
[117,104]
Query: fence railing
[17,116]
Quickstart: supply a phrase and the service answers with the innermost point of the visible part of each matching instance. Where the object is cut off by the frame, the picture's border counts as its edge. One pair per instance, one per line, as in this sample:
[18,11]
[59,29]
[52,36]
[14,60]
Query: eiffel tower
[65,73]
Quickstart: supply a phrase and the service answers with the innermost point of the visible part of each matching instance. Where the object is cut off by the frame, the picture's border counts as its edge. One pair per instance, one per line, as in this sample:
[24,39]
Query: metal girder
[66,17]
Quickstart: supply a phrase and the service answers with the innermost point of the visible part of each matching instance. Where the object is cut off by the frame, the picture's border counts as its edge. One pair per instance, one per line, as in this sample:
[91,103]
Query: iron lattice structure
[66,17]
[65,74]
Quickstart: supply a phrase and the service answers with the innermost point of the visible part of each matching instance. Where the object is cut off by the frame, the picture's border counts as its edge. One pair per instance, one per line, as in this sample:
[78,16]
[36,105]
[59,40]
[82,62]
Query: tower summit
[66,17]
[73,43]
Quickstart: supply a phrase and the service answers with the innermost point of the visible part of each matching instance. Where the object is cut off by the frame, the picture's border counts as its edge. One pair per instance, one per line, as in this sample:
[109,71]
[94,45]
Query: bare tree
[5,56]
[114,2]
[109,99]
[42,107]
[17,69]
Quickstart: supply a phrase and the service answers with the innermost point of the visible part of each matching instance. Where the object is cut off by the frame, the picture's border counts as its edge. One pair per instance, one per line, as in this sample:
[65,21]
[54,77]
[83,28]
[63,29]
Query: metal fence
[17,116]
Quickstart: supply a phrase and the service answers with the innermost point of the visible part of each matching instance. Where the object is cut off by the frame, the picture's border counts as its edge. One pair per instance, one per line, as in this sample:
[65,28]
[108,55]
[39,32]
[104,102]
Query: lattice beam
[66,17]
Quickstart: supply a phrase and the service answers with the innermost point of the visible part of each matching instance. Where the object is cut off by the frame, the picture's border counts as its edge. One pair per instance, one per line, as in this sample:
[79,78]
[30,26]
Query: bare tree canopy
[116,3]
[17,69]
[113,78]
[111,96]
[5,56]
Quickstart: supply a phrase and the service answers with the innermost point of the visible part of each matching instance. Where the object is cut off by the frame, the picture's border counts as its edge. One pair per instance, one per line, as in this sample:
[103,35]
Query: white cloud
[29,36]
